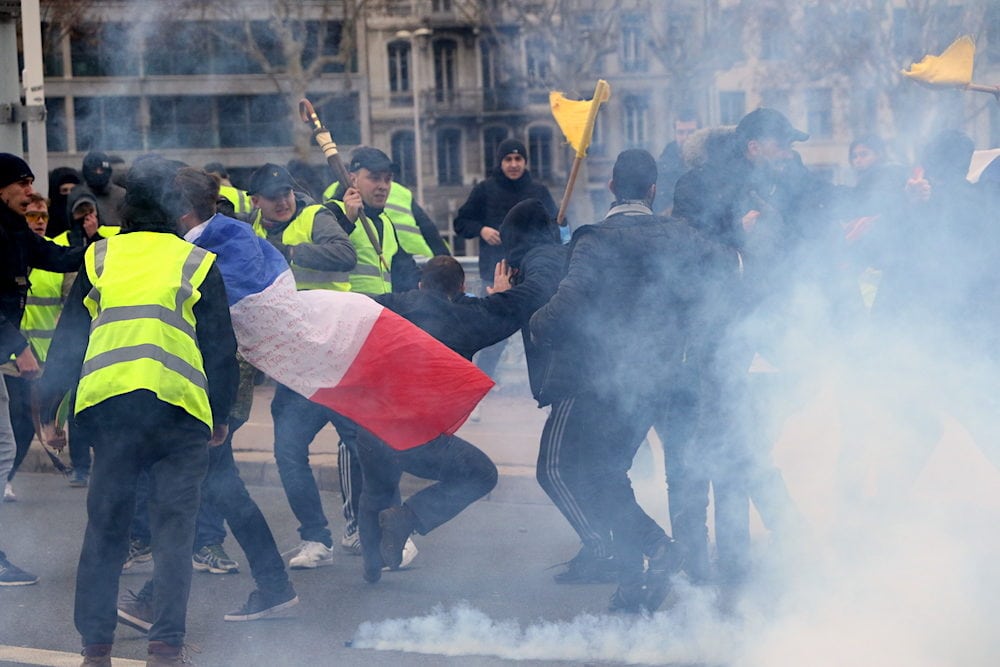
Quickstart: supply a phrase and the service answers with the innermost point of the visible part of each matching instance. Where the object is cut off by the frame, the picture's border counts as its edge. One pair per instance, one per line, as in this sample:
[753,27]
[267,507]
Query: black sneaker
[12,575]
[586,568]
[397,524]
[136,611]
[628,598]
[262,605]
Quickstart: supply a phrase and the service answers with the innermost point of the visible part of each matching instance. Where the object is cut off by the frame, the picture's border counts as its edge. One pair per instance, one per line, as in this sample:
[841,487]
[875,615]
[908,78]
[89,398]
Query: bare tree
[293,42]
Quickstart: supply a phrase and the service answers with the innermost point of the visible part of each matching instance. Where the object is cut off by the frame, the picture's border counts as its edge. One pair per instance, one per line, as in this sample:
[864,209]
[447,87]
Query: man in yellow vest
[321,256]
[146,336]
[370,171]
[417,233]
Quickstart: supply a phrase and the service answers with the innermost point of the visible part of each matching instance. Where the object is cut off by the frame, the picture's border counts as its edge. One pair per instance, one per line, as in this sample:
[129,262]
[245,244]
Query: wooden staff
[329,148]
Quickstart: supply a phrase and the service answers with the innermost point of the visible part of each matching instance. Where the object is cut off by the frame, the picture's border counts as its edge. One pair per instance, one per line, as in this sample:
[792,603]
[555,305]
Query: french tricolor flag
[340,349]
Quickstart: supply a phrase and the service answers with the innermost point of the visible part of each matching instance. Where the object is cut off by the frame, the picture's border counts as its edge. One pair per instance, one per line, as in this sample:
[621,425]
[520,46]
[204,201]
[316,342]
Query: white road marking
[35,656]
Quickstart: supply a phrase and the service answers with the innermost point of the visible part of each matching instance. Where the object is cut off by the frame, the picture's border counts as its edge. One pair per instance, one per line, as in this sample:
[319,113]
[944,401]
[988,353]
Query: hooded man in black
[97,175]
[61,181]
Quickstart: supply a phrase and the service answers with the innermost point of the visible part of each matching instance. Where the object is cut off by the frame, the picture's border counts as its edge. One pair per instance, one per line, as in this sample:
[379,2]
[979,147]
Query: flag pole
[601,93]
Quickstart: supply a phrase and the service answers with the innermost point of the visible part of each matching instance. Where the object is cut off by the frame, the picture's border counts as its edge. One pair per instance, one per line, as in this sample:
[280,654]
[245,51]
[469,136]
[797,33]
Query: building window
[323,40]
[181,122]
[540,152]
[489,55]
[993,36]
[633,38]
[107,123]
[449,157]
[819,113]
[439,6]
[103,49]
[636,110]
[732,106]
[773,35]
[162,57]
[445,66]
[55,124]
[399,67]
[404,156]
[539,67]
[342,115]
[492,136]
[249,120]
[597,144]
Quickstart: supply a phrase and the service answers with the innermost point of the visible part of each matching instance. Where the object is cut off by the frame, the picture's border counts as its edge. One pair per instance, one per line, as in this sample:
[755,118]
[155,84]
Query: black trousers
[19,391]
[464,474]
[130,432]
[587,448]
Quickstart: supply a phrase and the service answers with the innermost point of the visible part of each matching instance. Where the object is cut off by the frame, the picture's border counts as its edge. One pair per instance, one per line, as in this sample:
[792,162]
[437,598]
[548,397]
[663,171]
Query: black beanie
[508,146]
[13,169]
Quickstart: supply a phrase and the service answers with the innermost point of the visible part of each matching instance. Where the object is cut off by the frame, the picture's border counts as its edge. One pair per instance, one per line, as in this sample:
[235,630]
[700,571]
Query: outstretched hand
[501,278]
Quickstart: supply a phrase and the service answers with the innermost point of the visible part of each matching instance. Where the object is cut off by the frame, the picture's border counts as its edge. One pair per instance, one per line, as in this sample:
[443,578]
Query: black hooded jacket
[488,203]
[75,230]
[58,222]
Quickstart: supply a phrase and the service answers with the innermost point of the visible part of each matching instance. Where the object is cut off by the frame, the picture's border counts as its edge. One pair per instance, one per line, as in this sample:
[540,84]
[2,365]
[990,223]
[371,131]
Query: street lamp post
[414,37]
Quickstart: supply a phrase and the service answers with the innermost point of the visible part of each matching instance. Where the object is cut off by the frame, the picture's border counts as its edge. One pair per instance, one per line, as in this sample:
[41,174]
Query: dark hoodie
[491,200]
[78,195]
[58,222]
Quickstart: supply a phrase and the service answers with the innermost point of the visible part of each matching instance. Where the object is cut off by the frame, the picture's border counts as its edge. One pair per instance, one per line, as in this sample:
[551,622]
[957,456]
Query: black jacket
[465,324]
[636,288]
[21,249]
[488,203]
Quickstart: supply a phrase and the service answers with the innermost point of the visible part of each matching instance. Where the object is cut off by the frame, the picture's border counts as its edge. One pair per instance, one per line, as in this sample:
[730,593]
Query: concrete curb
[516,483]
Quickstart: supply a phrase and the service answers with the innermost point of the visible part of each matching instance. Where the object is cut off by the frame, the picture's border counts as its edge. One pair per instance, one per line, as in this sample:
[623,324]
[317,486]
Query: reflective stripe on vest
[298,231]
[368,277]
[143,328]
[43,305]
[399,208]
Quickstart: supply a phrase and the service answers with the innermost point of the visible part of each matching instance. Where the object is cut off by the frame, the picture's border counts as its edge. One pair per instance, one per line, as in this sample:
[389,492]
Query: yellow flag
[576,117]
[951,68]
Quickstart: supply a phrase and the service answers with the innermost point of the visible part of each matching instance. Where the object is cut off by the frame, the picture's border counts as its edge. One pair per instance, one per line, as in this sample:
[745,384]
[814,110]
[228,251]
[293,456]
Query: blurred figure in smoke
[758,199]
[619,323]
[97,175]
[61,181]
[670,165]
[936,314]
[146,337]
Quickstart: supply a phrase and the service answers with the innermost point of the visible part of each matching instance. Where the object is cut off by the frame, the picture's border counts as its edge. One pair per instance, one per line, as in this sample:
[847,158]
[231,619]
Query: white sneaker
[8,493]
[351,543]
[409,553]
[311,555]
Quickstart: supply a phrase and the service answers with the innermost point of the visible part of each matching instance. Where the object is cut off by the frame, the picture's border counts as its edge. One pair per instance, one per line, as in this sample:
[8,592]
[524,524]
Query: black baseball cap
[371,159]
[767,123]
[270,180]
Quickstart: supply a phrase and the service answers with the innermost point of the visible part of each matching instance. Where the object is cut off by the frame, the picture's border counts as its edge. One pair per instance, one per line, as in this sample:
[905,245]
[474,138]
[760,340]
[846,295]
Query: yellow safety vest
[142,334]
[300,230]
[368,277]
[399,209]
[42,308]
[239,199]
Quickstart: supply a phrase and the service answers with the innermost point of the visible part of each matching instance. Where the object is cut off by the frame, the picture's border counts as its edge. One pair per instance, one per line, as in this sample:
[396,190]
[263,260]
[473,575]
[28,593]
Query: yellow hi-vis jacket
[300,230]
[143,329]
[42,308]
[368,276]
[238,198]
[399,208]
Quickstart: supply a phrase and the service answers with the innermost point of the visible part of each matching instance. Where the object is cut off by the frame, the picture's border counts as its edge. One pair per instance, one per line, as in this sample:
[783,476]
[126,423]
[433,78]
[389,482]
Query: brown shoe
[96,655]
[162,654]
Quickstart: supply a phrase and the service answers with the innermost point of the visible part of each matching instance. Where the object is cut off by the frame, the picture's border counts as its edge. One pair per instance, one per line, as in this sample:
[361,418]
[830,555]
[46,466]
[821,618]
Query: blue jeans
[297,420]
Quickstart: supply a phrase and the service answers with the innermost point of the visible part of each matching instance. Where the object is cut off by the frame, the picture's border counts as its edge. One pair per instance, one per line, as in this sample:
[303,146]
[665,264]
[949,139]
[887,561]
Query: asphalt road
[495,557]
